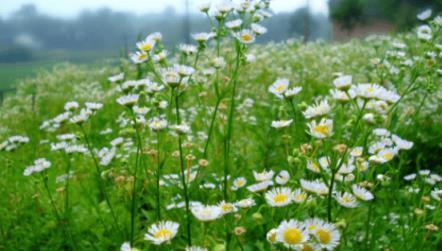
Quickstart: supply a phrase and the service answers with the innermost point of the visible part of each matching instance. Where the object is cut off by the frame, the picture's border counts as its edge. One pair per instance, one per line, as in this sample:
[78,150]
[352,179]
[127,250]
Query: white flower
[93,106]
[424,15]
[279,197]
[139,57]
[245,36]
[187,49]
[292,92]
[292,234]
[156,36]
[409,177]
[207,213]
[146,45]
[163,231]
[424,32]
[299,196]
[181,129]
[116,78]
[313,166]
[245,203]
[71,105]
[317,110]
[157,123]
[321,130]
[234,24]
[314,186]
[279,87]
[39,165]
[264,175]
[361,193]
[238,183]
[384,155]
[258,29]
[261,186]
[281,123]
[128,100]
[346,200]
[227,207]
[125,247]
[327,236]
[282,178]
[204,7]
[271,236]
[202,37]
[401,143]
[343,82]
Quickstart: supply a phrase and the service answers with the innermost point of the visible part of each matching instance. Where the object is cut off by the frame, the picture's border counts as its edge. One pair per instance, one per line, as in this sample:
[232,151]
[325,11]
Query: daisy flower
[281,123]
[238,183]
[321,130]
[207,213]
[327,236]
[343,82]
[279,197]
[424,15]
[282,178]
[146,45]
[361,193]
[346,200]
[424,32]
[292,234]
[227,207]
[264,175]
[157,123]
[246,36]
[139,57]
[299,196]
[292,92]
[163,231]
[317,110]
[196,248]
[128,100]
[383,155]
[279,87]
[271,235]
[246,203]
[259,187]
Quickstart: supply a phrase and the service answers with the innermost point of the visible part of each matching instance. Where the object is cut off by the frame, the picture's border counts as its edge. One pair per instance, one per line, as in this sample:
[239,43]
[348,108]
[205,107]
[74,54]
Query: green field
[11,73]
[228,145]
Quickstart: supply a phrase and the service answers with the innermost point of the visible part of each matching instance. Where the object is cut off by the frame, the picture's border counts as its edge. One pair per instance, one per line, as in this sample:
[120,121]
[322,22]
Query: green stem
[183,179]
[100,184]
[135,176]
[158,178]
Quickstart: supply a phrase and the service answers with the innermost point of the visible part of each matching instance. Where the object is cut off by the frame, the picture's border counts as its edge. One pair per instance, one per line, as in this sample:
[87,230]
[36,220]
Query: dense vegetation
[227,145]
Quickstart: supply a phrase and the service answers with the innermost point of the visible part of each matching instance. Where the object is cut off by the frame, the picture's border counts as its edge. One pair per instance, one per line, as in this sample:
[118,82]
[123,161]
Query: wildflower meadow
[226,144]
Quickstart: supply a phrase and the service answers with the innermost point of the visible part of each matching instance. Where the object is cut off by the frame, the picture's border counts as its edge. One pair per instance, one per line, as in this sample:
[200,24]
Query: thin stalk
[135,176]
[158,178]
[100,184]
[183,179]
[228,138]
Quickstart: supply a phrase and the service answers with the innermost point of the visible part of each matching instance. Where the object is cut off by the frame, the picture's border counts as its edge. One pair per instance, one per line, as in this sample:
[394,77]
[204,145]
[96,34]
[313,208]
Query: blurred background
[36,34]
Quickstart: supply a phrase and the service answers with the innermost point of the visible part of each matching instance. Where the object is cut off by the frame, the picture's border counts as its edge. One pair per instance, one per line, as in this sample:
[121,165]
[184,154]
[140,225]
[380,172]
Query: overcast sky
[70,8]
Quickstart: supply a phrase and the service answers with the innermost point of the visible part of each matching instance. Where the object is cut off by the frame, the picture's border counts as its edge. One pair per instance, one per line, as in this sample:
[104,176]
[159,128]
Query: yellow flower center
[146,47]
[324,236]
[346,198]
[246,37]
[292,236]
[227,207]
[315,167]
[387,156]
[239,183]
[306,247]
[300,197]
[279,88]
[272,237]
[142,56]
[311,227]
[370,89]
[280,198]
[163,233]
[322,129]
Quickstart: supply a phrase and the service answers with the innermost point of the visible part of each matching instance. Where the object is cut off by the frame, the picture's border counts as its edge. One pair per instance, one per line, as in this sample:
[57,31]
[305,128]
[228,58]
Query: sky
[70,8]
